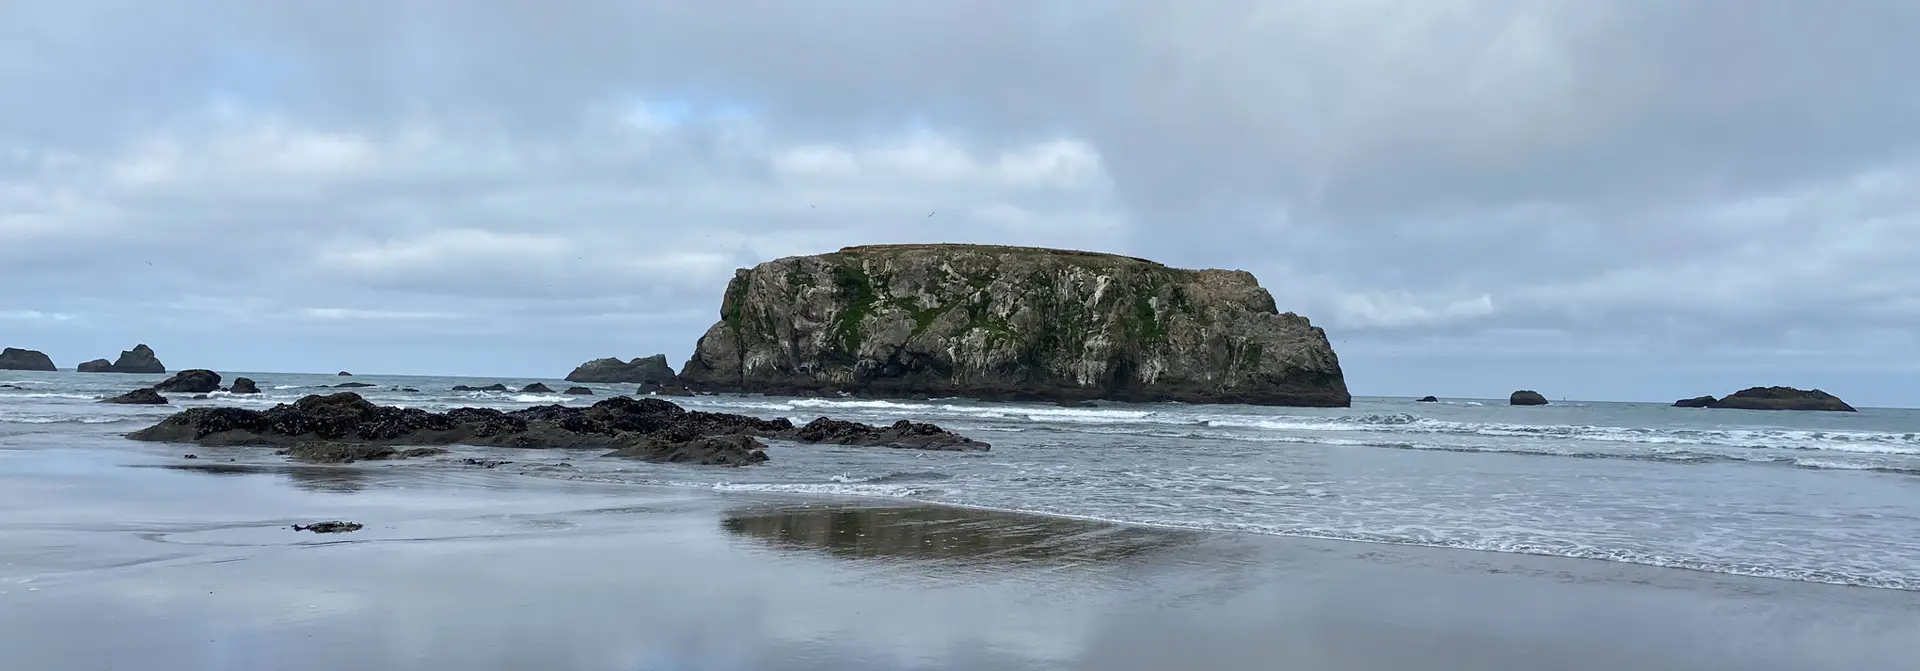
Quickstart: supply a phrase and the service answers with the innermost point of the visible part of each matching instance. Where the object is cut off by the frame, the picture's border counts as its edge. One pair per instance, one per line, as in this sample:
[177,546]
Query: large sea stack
[649,370]
[1014,323]
[14,358]
[140,359]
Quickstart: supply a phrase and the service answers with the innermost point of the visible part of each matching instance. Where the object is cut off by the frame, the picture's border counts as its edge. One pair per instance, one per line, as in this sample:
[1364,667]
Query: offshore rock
[536,388]
[138,397]
[140,359]
[194,381]
[1429,399]
[1010,323]
[1526,397]
[1782,398]
[14,358]
[244,385]
[1696,402]
[96,366]
[651,370]
[578,391]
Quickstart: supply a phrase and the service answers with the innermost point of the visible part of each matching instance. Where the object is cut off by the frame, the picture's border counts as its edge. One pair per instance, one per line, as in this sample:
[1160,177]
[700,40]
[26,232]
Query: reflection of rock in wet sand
[955,534]
[310,478]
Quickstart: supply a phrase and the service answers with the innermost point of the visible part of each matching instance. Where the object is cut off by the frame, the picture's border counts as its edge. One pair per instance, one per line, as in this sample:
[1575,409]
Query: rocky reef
[14,358]
[651,370]
[344,426]
[1011,323]
[140,359]
[1770,398]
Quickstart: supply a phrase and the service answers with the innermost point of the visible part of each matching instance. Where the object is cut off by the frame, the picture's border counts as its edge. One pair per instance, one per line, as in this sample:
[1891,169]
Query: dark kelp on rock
[341,426]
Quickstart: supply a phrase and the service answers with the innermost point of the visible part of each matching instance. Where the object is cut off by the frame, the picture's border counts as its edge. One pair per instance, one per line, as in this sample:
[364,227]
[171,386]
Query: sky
[1633,200]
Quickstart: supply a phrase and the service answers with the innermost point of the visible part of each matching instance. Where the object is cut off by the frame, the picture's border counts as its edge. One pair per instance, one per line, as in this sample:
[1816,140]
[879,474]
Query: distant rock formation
[1429,399]
[1011,323]
[649,429]
[13,358]
[138,397]
[192,381]
[651,370]
[140,360]
[578,391]
[1771,398]
[536,388]
[354,385]
[242,385]
[343,374]
[492,387]
[1526,397]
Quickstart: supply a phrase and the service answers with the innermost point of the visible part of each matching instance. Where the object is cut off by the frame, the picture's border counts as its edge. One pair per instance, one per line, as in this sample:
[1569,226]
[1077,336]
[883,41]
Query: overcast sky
[1645,199]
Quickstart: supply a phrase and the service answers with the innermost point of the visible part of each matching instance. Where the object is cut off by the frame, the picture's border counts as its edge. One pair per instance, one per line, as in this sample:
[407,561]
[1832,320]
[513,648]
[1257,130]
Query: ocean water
[1818,497]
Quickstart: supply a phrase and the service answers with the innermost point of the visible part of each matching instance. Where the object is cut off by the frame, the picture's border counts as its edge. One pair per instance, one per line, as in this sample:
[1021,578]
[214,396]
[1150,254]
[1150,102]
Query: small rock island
[1770,398]
[1011,323]
[140,359]
[1526,397]
[14,358]
[652,371]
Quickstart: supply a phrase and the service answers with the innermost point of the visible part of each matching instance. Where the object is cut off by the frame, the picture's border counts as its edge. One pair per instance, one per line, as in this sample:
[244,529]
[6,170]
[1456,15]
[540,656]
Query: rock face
[647,370]
[1782,398]
[1526,397]
[1011,323]
[138,397]
[194,381]
[649,429]
[1696,402]
[242,385]
[13,358]
[140,359]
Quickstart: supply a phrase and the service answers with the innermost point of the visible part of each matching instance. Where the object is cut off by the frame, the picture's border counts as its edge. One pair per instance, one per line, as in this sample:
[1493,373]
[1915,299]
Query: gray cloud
[1704,190]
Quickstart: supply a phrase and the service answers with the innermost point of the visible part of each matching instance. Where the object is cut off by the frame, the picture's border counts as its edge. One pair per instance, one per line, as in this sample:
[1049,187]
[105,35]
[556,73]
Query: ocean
[1803,496]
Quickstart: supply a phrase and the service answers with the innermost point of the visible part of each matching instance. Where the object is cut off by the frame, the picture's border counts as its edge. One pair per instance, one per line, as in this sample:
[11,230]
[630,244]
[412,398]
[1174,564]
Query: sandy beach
[131,560]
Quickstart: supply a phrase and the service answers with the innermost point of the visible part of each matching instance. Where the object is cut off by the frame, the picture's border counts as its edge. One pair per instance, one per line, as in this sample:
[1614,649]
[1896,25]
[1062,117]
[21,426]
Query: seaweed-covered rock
[138,397]
[13,358]
[347,453]
[1526,397]
[1010,323]
[193,381]
[902,434]
[705,450]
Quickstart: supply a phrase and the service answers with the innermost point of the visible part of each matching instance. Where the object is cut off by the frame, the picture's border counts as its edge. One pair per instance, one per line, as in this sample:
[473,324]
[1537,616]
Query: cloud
[1424,176]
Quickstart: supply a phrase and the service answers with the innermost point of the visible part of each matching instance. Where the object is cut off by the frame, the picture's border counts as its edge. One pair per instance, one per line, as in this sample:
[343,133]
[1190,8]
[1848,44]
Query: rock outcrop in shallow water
[243,385]
[14,358]
[1012,323]
[317,428]
[652,370]
[138,397]
[194,381]
[902,434]
[1771,398]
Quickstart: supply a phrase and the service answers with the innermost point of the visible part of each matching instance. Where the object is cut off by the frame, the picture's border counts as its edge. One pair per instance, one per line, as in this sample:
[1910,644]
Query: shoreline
[113,559]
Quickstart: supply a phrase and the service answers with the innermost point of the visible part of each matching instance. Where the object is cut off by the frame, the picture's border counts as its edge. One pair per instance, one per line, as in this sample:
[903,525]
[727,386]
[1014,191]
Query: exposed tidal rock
[96,366]
[192,381]
[1782,398]
[13,358]
[1011,323]
[664,391]
[346,418]
[536,388]
[138,397]
[902,434]
[705,450]
[354,385]
[334,527]
[1526,397]
[244,385]
[1429,399]
[578,391]
[647,370]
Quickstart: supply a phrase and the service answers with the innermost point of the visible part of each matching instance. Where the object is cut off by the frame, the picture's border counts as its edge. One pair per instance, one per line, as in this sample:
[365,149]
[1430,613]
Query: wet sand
[124,561]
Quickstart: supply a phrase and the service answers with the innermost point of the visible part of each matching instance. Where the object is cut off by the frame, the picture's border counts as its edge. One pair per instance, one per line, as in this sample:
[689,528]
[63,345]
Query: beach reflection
[945,534]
